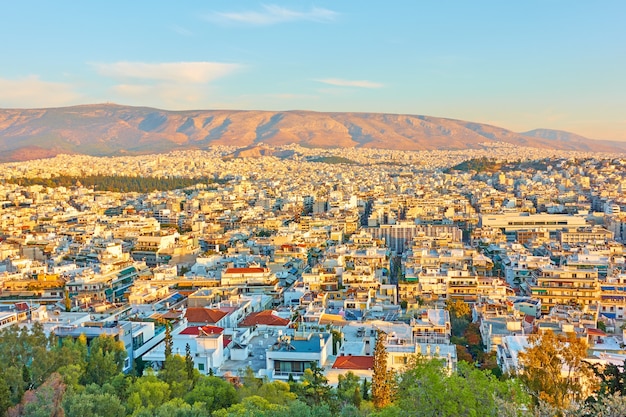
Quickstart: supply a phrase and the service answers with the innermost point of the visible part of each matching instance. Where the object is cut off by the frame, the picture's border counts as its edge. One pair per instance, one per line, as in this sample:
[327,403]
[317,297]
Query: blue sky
[516,64]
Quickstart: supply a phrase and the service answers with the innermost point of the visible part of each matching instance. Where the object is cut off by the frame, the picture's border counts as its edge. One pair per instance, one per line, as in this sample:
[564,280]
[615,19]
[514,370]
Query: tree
[168,340]
[382,384]
[554,370]
[106,359]
[175,374]
[89,404]
[347,386]
[313,388]
[612,378]
[147,392]
[426,388]
[365,387]
[458,308]
[189,363]
[251,406]
[5,395]
[214,392]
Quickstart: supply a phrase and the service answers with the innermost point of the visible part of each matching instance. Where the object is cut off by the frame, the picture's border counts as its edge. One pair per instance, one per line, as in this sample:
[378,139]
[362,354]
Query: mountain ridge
[113,129]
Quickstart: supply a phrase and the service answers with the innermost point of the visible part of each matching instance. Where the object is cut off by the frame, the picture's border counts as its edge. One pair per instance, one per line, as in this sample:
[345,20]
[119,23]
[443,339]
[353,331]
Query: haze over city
[520,66]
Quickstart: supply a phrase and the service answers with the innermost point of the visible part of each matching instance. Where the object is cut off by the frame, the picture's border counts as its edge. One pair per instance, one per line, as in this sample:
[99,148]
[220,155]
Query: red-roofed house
[264,319]
[201,316]
[354,363]
[206,345]
[361,366]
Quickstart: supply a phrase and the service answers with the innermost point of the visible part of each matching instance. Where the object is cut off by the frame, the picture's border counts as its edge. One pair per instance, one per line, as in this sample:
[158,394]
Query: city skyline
[551,65]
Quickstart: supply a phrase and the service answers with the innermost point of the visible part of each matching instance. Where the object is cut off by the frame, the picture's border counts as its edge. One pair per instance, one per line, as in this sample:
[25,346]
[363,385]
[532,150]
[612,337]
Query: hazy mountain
[109,129]
[580,142]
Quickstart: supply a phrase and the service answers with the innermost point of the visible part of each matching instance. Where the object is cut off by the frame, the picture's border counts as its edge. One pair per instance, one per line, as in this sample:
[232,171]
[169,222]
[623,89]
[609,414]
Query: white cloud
[170,85]
[29,92]
[178,72]
[168,96]
[351,83]
[273,14]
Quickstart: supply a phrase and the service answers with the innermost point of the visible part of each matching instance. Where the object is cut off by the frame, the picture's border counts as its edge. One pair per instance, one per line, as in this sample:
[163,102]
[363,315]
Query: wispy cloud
[271,15]
[172,85]
[338,82]
[33,92]
[191,72]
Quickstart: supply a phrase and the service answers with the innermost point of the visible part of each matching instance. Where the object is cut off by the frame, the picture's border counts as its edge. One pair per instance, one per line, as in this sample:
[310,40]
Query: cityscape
[268,266]
[313,209]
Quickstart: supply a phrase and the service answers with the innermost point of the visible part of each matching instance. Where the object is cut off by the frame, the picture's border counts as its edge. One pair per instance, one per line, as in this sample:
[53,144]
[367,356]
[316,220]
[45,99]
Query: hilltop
[110,129]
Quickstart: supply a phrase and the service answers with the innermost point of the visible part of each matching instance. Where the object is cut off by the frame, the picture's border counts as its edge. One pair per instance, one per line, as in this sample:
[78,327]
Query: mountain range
[111,129]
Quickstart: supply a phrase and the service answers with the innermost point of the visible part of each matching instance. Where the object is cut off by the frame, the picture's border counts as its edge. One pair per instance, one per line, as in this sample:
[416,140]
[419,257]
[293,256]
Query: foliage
[106,360]
[554,370]
[116,183]
[458,308]
[169,342]
[382,378]
[93,404]
[426,388]
[147,392]
[213,393]
[313,388]
[176,374]
[333,160]
[349,389]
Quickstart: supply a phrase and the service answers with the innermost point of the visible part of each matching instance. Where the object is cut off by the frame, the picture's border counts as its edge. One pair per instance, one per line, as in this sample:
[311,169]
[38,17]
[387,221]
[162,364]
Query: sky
[521,65]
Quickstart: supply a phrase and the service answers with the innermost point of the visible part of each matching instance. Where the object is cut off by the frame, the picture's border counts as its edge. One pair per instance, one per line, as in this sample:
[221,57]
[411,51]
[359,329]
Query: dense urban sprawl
[302,262]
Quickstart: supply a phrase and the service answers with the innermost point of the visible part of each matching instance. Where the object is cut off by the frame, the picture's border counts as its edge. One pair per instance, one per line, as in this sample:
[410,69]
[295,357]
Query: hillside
[109,129]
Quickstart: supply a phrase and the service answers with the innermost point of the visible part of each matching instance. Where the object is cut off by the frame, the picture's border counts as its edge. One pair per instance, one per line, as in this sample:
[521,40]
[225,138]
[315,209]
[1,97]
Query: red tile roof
[354,362]
[226,341]
[22,306]
[266,317]
[595,332]
[204,315]
[195,330]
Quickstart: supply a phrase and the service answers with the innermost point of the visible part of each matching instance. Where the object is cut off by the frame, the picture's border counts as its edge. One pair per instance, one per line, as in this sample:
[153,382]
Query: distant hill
[580,142]
[110,129]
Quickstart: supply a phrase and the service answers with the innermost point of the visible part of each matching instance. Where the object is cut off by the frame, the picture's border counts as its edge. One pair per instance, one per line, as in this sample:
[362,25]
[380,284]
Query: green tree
[365,389]
[426,388]
[554,370]
[313,388]
[382,384]
[347,385]
[147,392]
[175,374]
[89,404]
[189,368]
[249,407]
[276,392]
[105,360]
[5,395]
[213,392]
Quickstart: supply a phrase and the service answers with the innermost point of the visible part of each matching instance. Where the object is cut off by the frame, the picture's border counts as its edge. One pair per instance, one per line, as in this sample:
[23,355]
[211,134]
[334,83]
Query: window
[200,367]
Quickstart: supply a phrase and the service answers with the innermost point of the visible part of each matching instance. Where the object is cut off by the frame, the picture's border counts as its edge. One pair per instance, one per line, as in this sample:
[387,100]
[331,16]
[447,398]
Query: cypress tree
[381,378]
